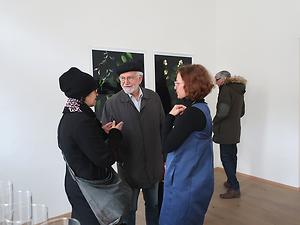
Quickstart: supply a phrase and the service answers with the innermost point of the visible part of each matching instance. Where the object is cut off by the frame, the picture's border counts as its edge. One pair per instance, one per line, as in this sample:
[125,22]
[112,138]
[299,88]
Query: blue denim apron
[189,178]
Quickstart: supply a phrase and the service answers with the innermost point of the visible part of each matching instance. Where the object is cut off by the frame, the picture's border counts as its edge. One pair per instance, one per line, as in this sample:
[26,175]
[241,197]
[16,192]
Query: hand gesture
[107,127]
[177,109]
[117,126]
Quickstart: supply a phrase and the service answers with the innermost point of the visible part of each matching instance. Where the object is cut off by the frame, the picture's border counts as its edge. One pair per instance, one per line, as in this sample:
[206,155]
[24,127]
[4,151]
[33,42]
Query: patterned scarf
[73,105]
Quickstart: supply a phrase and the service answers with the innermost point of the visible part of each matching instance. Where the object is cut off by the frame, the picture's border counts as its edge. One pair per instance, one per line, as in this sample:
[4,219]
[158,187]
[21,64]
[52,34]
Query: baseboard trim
[264,180]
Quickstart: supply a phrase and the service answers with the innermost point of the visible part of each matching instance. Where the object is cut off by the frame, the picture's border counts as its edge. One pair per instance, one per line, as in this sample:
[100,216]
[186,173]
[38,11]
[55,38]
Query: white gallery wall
[39,40]
[260,40]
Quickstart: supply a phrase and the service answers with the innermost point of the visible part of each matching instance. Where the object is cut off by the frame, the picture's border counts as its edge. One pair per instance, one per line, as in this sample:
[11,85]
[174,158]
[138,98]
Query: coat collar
[124,98]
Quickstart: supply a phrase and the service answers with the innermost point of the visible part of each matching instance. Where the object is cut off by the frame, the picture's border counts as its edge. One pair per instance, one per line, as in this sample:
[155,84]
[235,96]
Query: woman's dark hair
[197,81]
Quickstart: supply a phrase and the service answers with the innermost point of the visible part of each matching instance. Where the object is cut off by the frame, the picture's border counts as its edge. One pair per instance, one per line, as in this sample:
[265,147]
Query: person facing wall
[187,140]
[227,126]
[89,148]
[142,162]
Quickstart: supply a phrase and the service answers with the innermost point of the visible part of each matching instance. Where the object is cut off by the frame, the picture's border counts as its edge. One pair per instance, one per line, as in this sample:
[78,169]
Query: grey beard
[130,90]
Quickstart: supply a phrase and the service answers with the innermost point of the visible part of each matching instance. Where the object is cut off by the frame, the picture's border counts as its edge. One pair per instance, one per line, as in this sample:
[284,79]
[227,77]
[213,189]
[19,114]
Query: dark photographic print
[165,75]
[105,63]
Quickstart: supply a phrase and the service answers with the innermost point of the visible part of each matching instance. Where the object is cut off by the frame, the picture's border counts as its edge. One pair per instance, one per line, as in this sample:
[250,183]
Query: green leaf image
[123,58]
[129,55]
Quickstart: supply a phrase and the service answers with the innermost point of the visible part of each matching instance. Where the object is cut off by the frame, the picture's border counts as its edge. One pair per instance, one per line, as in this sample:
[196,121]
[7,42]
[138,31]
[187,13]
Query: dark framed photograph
[166,66]
[105,63]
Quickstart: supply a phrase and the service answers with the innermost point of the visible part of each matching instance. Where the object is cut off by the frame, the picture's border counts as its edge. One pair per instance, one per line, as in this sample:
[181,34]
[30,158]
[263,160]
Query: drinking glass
[62,221]
[39,213]
[3,209]
[6,197]
[20,211]
[6,192]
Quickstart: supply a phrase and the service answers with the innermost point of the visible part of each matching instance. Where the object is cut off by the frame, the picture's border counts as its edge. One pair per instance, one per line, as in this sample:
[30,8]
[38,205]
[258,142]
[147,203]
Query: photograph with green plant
[105,63]
[165,75]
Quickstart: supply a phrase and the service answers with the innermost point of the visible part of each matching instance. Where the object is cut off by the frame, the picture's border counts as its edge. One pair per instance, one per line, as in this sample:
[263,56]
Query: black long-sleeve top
[177,128]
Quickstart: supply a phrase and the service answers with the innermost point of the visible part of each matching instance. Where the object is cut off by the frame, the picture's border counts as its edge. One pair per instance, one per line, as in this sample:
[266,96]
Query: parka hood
[237,83]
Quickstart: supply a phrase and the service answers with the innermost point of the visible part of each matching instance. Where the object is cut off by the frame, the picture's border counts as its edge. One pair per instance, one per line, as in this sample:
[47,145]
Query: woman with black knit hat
[89,148]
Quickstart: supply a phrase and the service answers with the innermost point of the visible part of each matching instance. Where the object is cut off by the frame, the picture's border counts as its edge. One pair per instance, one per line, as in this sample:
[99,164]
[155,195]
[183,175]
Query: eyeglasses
[176,83]
[130,78]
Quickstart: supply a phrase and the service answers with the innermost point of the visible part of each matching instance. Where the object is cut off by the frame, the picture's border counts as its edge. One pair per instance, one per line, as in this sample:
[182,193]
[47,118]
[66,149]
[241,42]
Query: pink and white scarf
[73,105]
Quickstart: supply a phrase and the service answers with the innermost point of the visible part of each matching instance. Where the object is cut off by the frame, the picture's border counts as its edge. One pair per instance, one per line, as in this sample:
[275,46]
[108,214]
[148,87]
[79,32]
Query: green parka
[230,108]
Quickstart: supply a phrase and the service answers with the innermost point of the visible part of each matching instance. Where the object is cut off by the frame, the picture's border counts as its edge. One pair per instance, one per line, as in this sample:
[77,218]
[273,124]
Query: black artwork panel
[165,75]
[104,70]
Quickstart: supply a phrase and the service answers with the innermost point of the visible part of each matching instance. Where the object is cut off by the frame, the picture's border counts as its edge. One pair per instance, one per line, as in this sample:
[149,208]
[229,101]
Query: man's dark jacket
[141,151]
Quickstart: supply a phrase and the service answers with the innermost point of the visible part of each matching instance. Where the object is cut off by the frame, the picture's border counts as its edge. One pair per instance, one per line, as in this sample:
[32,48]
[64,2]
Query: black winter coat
[89,152]
[87,148]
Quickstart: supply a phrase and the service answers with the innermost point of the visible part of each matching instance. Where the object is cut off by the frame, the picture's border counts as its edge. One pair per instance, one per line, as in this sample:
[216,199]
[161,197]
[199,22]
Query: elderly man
[227,126]
[141,161]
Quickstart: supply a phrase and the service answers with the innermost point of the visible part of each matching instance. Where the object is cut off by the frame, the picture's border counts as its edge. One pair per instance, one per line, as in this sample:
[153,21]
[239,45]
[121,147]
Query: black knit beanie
[77,84]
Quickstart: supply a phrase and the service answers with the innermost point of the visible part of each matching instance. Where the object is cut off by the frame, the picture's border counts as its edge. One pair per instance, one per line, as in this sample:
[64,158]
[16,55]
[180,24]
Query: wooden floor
[261,203]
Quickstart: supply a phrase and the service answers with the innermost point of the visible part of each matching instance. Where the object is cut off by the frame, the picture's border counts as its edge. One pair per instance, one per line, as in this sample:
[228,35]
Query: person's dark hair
[197,81]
